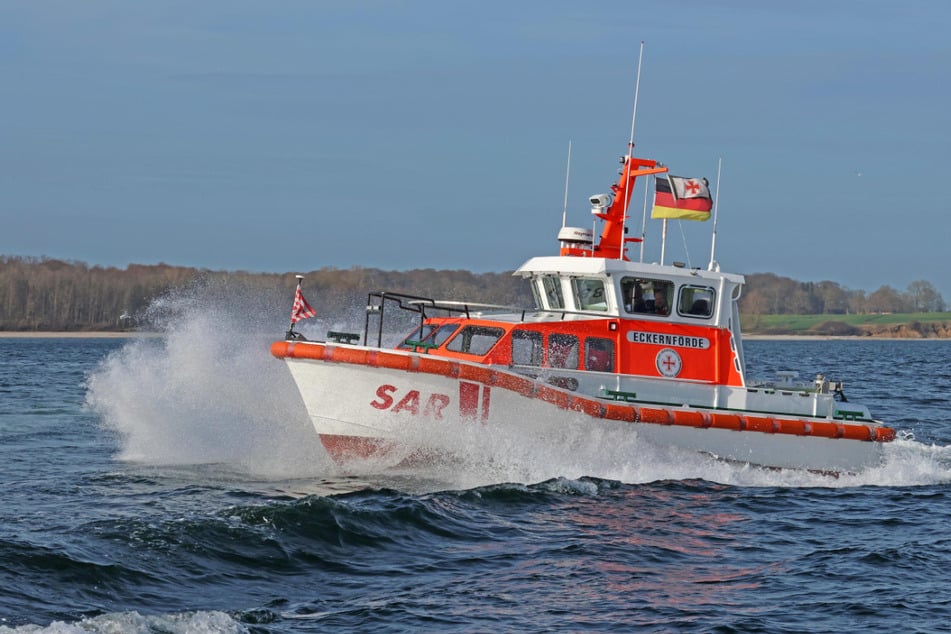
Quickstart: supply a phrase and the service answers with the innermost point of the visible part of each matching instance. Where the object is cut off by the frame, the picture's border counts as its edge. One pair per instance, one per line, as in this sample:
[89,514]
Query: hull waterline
[371,403]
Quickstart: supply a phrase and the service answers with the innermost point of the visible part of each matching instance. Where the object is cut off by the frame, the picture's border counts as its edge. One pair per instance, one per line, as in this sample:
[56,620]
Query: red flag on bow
[301,309]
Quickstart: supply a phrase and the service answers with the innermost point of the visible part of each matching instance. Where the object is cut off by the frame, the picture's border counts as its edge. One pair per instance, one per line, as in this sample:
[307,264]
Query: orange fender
[655,415]
[793,427]
[726,421]
[884,434]
[762,424]
[858,432]
[691,418]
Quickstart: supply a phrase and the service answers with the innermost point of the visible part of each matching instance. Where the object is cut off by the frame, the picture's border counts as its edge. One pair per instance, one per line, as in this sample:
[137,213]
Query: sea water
[172,483]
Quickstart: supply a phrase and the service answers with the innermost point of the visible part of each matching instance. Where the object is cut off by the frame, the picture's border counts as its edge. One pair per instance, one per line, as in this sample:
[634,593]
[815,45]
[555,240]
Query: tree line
[38,294]
[44,294]
[770,294]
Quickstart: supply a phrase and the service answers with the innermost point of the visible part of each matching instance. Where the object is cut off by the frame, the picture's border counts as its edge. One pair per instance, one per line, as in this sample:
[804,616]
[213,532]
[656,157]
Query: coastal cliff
[912,330]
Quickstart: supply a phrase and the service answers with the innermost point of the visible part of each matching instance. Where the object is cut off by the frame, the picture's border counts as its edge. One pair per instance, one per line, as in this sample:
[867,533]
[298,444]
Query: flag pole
[644,217]
[663,242]
[300,278]
[630,154]
[663,237]
[716,207]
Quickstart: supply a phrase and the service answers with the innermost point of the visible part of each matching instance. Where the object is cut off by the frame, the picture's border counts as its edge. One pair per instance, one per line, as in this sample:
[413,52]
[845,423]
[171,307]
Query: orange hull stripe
[592,407]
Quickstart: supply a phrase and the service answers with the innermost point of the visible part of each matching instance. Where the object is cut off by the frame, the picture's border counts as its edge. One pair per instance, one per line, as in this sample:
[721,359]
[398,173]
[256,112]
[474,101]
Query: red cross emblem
[668,362]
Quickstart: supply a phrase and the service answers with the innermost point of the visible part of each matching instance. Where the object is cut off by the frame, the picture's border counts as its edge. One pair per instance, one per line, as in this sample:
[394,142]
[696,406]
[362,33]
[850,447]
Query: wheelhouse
[596,315]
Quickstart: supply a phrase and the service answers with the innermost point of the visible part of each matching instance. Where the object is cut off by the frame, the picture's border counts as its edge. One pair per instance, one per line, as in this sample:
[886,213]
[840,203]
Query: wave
[380,557]
[135,623]
[208,392]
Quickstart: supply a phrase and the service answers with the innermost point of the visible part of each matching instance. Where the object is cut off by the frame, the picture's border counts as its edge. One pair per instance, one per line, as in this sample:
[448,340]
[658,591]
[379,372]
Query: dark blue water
[173,485]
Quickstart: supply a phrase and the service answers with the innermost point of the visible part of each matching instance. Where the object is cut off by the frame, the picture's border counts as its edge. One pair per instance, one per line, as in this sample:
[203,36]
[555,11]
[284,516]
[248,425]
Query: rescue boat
[651,349]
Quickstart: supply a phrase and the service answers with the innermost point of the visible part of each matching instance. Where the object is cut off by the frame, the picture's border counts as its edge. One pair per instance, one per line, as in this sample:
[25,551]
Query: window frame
[537,341]
[574,351]
[611,348]
[577,292]
[465,337]
[632,283]
[551,285]
[693,290]
[432,336]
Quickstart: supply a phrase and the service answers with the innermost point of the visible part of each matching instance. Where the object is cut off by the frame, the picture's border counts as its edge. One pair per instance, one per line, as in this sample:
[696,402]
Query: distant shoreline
[92,334]
[837,338]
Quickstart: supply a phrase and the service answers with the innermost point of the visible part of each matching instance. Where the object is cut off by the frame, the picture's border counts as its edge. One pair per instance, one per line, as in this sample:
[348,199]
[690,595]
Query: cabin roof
[568,265]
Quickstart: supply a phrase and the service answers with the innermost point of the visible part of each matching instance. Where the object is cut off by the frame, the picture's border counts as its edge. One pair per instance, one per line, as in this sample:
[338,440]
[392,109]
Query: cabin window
[475,340]
[537,293]
[648,296]
[589,293]
[526,347]
[552,288]
[417,336]
[696,301]
[563,351]
[599,354]
[443,333]
[430,335]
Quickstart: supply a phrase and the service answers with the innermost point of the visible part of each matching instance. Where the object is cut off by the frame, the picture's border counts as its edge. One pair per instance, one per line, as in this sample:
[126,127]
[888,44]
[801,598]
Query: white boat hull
[386,401]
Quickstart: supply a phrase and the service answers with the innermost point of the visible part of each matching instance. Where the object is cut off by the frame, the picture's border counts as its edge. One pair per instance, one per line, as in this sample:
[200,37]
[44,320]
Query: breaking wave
[135,623]
[205,389]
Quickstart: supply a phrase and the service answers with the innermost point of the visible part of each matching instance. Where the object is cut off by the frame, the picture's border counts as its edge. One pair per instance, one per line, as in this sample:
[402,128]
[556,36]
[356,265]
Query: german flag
[682,198]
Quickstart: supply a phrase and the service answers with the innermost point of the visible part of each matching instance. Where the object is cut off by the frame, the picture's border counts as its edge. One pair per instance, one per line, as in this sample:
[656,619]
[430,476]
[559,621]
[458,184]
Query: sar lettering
[412,402]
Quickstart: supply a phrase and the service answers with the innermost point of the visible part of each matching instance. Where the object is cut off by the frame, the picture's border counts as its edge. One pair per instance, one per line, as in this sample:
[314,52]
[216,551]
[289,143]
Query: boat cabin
[599,315]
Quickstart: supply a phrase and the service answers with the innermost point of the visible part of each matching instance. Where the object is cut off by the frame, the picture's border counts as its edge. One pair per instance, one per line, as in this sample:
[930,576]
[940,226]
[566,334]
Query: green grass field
[803,323]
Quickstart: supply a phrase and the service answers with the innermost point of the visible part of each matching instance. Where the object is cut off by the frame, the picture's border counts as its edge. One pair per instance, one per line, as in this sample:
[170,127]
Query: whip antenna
[564,212]
[630,146]
[716,207]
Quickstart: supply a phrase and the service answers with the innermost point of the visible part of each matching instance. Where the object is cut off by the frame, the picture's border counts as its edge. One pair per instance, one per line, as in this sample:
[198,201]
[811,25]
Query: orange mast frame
[613,241]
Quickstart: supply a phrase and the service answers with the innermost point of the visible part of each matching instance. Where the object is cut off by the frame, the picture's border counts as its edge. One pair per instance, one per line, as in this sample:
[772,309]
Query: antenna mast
[630,149]
[564,212]
[716,207]
[613,209]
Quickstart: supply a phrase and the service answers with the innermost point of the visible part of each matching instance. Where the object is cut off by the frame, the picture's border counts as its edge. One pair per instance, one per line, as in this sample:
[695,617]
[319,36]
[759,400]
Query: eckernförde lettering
[663,339]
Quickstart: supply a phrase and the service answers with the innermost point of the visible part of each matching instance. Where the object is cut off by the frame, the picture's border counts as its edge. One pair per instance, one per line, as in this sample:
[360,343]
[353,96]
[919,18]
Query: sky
[291,136]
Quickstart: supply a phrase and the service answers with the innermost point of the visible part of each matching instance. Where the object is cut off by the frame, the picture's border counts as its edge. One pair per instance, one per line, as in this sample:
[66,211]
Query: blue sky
[290,136]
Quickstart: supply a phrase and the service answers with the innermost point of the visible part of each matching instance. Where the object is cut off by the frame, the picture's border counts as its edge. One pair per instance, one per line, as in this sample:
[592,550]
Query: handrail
[413,304]
[452,306]
[419,304]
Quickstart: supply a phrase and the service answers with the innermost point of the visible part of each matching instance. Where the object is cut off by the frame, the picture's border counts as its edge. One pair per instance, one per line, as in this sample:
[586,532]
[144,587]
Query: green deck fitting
[618,395]
[847,415]
[421,344]
[343,337]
